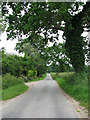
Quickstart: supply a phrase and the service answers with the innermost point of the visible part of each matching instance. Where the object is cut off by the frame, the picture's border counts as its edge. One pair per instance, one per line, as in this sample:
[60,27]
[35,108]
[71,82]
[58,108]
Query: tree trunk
[74,43]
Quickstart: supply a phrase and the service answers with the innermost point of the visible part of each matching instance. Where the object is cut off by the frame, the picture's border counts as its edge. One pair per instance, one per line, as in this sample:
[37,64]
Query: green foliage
[35,73]
[37,61]
[30,73]
[56,54]
[9,80]
[60,67]
[13,91]
[2,23]
[39,78]
[12,64]
[18,89]
[25,78]
[35,21]
[76,85]
[19,66]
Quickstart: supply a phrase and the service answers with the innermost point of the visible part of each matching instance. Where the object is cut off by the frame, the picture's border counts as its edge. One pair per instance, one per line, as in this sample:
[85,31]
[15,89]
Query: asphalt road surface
[44,100]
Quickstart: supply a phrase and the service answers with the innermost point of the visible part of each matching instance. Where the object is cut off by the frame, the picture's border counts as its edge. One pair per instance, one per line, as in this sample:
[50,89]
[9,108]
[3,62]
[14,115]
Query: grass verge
[13,91]
[76,85]
[9,80]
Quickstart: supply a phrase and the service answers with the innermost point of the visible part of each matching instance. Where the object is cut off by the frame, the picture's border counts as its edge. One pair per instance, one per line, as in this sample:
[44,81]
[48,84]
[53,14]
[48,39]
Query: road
[44,100]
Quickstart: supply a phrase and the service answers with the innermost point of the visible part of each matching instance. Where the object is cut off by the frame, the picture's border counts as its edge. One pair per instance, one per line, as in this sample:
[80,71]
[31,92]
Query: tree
[74,41]
[36,17]
[12,64]
[37,61]
[2,23]
[57,57]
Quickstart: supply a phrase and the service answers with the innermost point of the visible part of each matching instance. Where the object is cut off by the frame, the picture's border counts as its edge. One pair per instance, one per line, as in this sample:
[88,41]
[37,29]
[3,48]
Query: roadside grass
[9,80]
[74,84]
[13,91]
[13,86]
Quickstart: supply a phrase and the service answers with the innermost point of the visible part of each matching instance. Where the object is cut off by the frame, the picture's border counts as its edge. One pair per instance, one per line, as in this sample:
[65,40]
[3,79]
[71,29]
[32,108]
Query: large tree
[35,19]
[74,41]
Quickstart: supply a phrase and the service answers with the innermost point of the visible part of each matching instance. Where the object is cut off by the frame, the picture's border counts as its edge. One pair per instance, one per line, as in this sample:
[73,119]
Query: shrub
[25,78]
[30,73]
[35,73]
[9,80]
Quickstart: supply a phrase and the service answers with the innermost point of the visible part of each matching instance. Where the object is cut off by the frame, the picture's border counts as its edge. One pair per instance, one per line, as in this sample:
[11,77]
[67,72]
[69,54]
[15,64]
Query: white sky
[9,45]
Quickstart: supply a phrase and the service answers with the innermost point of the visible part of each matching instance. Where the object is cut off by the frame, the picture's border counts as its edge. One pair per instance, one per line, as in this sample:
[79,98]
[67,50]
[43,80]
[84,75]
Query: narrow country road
[44,100]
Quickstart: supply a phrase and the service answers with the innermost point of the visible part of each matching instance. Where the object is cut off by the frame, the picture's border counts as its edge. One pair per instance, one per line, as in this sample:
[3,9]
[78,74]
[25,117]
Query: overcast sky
[10,44]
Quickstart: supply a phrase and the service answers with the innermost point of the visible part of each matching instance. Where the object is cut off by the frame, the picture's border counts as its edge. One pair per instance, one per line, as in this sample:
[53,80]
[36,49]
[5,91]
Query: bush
[25,78]
[39,78]
[35,73]
[9,80]
[30,73]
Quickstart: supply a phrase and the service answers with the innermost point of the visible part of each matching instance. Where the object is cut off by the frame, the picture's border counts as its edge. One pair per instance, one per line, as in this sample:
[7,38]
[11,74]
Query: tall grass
[75,84]
[9,80]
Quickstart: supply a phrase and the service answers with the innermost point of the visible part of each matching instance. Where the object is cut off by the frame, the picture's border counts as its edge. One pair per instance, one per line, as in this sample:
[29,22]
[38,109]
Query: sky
[9,45]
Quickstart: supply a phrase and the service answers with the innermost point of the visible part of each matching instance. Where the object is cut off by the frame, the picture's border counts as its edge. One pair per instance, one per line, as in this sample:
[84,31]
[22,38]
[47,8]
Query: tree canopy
[28,65]
[39,21]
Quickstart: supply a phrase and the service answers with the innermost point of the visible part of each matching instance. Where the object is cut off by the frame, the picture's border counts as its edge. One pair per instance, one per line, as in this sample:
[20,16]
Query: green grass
[76,85]
[13,86]
[13,91]
[9,80]
[78,110]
